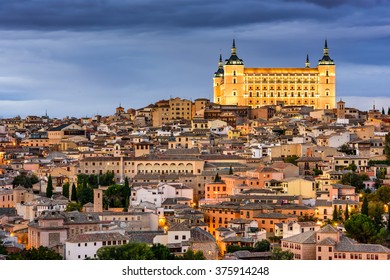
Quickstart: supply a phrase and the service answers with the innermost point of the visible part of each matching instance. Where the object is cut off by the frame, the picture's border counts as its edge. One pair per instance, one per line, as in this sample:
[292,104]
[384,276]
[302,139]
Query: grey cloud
[338,3]
[147,15]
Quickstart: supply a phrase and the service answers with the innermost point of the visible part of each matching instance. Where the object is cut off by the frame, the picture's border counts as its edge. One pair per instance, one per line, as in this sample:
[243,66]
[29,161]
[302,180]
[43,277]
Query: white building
[33,209]
[85,245]
[158,194]
[294,228]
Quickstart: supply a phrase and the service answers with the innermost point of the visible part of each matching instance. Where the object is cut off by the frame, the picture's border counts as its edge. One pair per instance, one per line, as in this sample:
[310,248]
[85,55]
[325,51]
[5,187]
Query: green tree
[291,159]
[377,216]
[84,192]
[388,111]
[383,237]
[279,254]
[74,193]
[117,196]
[41,253]
[65,190]
[361,228]
[191,255]
[346,214]
[262,246]
[383,111]
[107,179]
[365,206]
[25,181]
[352,167]
[3,249]
[49,188]
[129,251]
[127,193]
[355,180]
[335,214]
[162,252]
[73,206]
[346,149]
[383,195]
[317,172]
[386,149]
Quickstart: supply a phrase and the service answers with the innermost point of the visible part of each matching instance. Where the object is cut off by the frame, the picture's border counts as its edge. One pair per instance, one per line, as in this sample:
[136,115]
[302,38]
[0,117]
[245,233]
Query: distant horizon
[369,102]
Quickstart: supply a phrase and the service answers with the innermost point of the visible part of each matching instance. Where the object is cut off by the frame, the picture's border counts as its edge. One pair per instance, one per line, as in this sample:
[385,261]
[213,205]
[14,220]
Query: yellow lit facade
[236,85]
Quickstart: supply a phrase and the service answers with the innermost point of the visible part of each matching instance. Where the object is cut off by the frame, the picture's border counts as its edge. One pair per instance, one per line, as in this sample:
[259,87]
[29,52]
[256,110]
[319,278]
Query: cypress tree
[365,206]
[65,190]
[49,188]
[335,214]
[127,192]
[388,111]
[383,111]
[74,193]
[346,212]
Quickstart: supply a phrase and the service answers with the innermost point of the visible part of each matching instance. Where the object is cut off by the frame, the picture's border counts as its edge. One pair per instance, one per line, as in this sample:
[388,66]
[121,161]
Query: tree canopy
[191,255]
[25,181]
[40,253]
[361,228]
[355,180]
[129,251]
[291,159]
[279,254]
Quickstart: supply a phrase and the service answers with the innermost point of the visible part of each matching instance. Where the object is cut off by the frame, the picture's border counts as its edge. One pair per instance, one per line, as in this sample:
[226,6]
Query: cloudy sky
[84,57]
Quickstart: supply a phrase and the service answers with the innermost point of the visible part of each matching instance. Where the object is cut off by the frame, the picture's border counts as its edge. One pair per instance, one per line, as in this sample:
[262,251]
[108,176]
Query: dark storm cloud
[86,14]
[338,3]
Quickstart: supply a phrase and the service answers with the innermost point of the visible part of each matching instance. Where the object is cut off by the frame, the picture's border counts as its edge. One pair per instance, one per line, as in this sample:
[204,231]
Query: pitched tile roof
[98,236]
[199,235]
[308,237]
[327,229]
[179,227]
[349,245]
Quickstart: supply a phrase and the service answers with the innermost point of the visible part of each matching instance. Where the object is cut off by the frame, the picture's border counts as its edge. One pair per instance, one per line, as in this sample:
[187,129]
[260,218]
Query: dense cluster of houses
[203,176]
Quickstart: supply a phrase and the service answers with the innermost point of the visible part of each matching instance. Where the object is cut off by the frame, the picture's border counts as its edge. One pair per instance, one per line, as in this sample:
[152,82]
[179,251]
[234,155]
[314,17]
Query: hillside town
[198,179]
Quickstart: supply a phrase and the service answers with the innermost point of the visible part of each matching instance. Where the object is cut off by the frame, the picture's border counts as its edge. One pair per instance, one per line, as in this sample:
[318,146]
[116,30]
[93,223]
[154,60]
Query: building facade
[234,84]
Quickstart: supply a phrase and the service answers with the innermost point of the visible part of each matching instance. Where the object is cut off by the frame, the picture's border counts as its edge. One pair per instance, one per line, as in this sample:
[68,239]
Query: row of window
[9,198]
[285,94]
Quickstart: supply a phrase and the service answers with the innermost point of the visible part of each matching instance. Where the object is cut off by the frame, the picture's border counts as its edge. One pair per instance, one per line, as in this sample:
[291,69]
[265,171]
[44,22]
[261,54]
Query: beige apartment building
[173,109]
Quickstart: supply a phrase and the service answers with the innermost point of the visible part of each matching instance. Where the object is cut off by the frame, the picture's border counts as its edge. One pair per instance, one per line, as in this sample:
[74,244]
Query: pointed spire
[326,50]
[326,59]
[233,57]
[220,67]
[307,64]
[234,50]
